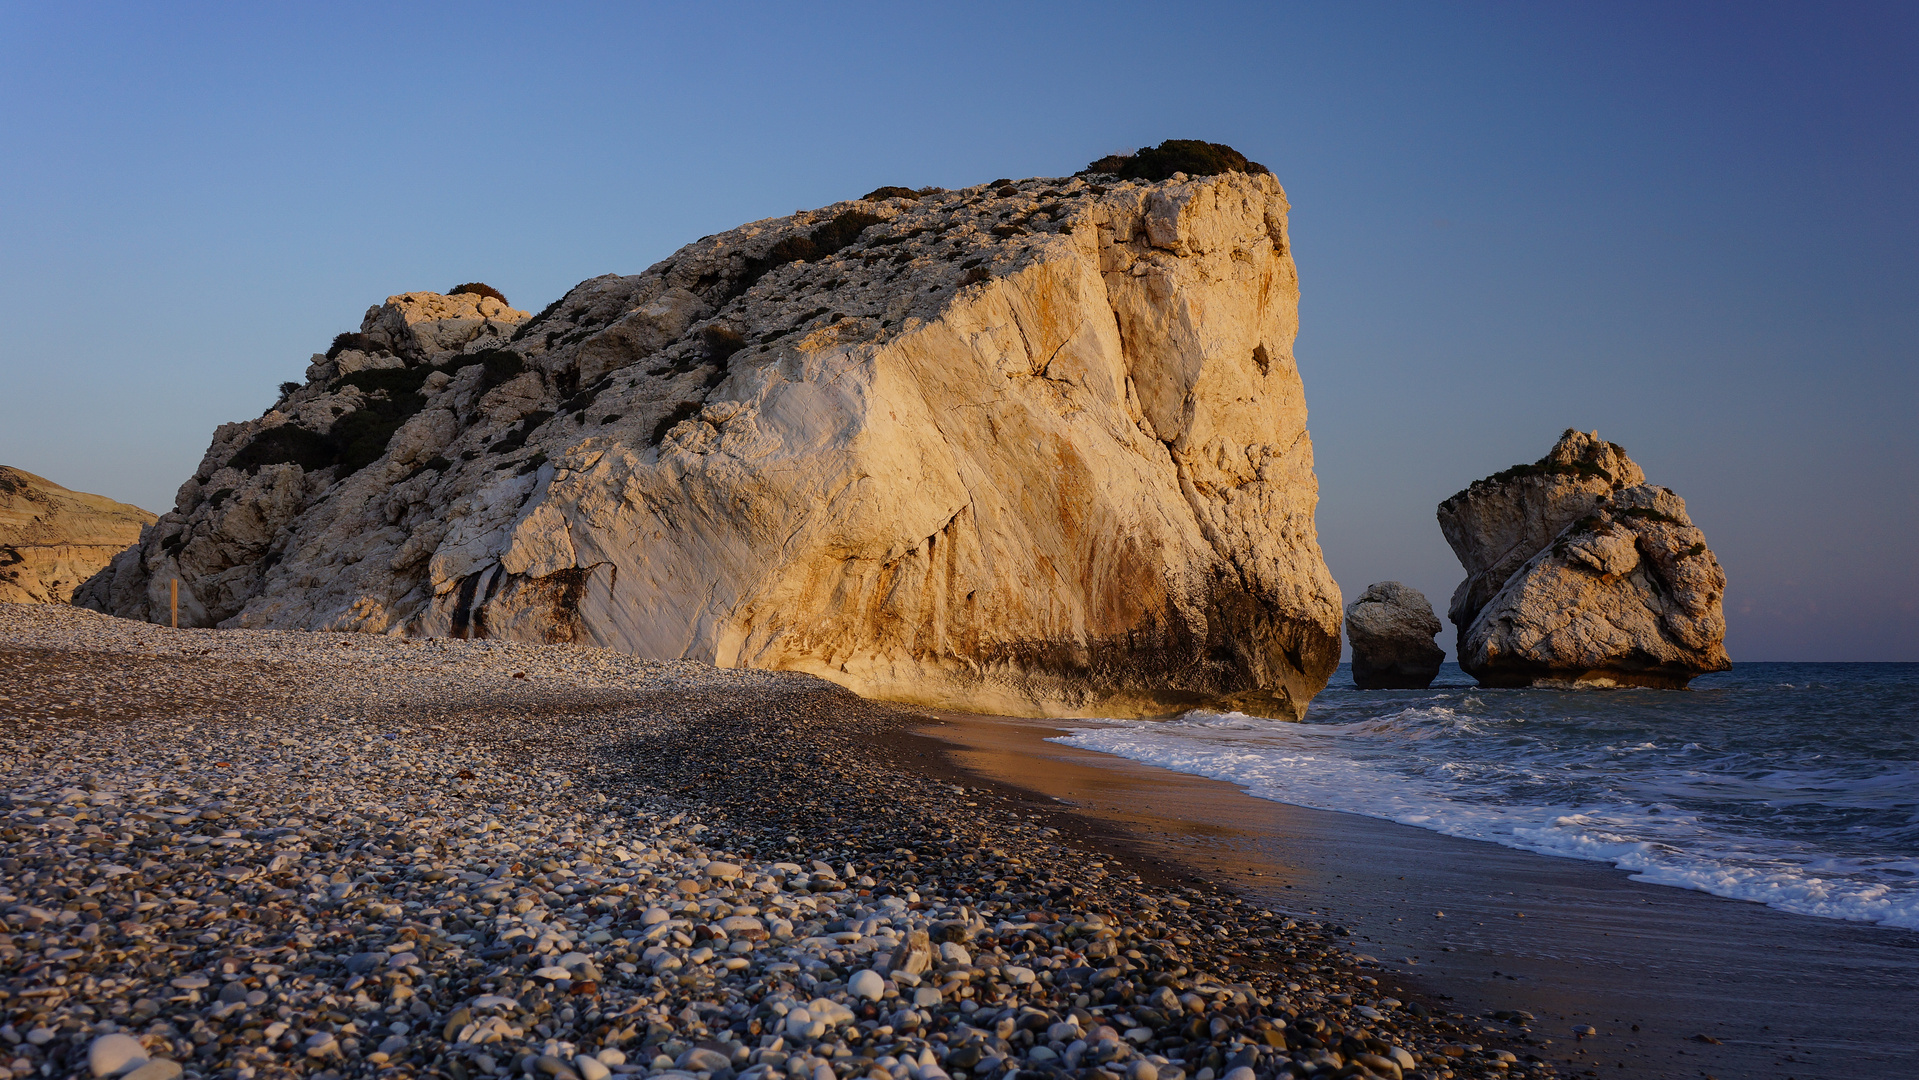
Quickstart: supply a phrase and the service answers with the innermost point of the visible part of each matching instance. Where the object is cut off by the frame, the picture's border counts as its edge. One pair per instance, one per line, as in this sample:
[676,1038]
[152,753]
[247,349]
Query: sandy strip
[1574,943]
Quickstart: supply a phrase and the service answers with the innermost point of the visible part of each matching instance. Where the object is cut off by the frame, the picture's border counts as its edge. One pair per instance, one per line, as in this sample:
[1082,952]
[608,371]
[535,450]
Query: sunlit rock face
[52,539]
[1034,448]
[1578,572]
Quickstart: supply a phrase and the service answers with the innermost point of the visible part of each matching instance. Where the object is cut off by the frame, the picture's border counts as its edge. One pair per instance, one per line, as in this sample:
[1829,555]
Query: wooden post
[173,587]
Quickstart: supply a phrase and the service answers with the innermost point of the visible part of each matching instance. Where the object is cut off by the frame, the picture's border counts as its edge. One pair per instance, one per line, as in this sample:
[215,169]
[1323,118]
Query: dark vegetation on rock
[813,246]
[357,439]
[1545,466]
[1190,156]
[685,410]
[355,341]
[478,288]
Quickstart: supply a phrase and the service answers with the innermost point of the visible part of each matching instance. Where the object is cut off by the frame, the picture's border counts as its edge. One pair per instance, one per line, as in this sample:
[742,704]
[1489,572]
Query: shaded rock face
[1037,448]
[1622,591]
[1391,627]
[53,539]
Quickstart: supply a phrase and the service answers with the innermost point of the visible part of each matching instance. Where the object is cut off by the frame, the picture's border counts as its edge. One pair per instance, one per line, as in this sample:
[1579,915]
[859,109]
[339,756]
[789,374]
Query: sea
[1791,785]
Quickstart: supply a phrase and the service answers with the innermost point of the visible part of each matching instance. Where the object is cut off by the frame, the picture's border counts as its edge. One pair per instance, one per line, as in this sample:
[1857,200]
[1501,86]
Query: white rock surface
[1498,523]
[53,539]
[1624,592]
[112,1054]
[1039,453]
[1391,628]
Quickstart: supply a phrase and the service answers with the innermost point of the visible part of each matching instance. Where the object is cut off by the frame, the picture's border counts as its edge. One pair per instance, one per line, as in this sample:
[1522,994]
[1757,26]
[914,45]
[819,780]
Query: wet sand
[1653,968]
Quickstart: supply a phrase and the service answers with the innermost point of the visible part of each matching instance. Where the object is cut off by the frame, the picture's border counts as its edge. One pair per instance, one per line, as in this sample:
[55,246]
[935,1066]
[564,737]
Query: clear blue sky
[1692,227]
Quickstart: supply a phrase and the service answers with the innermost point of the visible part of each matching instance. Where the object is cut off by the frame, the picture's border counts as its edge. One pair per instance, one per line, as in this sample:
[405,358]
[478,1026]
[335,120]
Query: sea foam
[1743,788]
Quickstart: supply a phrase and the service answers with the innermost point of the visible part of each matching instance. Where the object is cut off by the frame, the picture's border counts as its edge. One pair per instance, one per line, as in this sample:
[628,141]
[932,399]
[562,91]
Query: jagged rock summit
[1391,628]
[1577,571]
[52,539]
[1035,447]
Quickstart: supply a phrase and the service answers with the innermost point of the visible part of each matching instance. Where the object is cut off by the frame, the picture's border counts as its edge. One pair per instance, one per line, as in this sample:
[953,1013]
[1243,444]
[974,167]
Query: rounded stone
[116,1053]
[868,984]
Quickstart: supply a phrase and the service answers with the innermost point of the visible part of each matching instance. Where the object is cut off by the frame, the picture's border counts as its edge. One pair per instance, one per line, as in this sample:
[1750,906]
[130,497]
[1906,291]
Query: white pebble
[868,984]
[113,1054]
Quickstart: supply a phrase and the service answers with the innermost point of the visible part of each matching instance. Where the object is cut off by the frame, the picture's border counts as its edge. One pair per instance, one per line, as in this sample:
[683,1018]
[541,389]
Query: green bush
[500,365]
[286,444]
[890,192]
[721,342]
[579,401]
[359,438]
[517,437]
[435,463]
[478,288]
[545,314]
[813,246]
[685,410]
[1190,156]
[288,389]
[357,342]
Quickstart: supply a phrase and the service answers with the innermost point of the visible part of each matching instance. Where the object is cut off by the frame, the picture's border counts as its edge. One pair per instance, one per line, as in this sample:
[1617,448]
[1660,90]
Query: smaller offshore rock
[1391,628]
[1628,595]
[52,539]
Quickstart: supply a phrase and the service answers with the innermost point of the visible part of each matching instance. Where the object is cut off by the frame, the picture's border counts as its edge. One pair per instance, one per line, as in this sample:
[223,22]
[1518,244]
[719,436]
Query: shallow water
[1793,785]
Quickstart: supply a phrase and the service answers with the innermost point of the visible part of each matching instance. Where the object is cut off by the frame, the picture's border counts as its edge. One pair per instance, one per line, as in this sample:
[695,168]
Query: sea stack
[1036,447]
[1391,628]
[1578,572]
[53,539]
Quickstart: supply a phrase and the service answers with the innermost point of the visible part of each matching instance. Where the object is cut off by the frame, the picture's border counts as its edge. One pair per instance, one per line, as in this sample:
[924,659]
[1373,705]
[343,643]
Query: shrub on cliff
[355,342]
[812,246]
[478,288]
[1190,156]
[721,342]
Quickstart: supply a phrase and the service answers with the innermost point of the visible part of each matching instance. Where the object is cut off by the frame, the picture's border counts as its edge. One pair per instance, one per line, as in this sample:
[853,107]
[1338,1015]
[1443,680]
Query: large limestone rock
[1609,581]
[1034,448]
[52,539]
[1391,628]
[1498,523]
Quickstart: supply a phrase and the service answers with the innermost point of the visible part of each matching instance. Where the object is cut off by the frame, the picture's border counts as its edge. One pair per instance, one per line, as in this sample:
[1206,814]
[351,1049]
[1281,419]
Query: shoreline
[260,854]
[1577,943]
[558,840]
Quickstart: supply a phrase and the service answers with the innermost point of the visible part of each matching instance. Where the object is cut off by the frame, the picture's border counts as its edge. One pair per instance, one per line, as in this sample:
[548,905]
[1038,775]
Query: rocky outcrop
[1034,447]
[1391,628]
[1579,572]
[52,539]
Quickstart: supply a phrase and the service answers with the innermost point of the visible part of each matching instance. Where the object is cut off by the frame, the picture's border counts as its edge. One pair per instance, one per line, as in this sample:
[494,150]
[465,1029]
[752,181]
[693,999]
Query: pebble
[344,855]
[868,984]
[156,1069]
[112,1054]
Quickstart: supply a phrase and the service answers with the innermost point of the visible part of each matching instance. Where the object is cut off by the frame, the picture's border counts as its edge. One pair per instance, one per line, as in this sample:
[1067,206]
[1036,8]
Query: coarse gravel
[245,854]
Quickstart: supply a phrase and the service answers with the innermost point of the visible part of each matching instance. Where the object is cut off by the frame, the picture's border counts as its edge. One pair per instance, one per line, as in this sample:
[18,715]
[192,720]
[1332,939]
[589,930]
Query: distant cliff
[1031,447]
[52,539]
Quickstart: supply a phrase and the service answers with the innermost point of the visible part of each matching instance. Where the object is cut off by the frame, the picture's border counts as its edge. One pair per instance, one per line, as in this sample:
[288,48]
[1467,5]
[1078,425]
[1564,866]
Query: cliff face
[1579,572]
[52,539]
[1032,448]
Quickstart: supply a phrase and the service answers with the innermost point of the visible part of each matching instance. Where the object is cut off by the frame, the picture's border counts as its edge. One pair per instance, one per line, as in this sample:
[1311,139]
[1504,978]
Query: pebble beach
[246,854]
